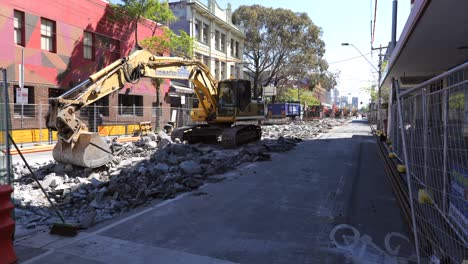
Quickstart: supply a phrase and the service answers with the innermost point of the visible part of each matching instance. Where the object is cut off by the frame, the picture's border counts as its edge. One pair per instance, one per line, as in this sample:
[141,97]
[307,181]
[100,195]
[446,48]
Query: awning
[178,88]
[182,89]
[434,40]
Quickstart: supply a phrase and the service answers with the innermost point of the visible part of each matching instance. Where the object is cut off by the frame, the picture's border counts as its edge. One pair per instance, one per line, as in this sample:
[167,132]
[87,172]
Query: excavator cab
[233,97]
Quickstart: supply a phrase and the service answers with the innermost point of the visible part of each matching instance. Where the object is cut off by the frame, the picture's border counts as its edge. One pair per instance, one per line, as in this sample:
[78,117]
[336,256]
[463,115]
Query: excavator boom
[77,146]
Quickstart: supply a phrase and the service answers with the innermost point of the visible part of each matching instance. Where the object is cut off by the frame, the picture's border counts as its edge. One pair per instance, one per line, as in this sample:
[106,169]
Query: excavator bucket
[90,151]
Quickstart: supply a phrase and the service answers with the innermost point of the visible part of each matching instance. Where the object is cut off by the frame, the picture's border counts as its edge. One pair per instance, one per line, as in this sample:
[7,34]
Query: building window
[197,30]
[223,70]
[223,42]
[47,35]
[237,50]
[55,92]
[232,47]
[216,71]
[19,27]
[26,106]
[108,46]
[130,105]
[232,72]
[217,40]
[206,33]
[206,61]
[88,47]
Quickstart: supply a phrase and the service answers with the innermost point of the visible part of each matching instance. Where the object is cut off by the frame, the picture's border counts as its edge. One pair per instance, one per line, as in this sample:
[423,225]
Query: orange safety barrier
[7,226]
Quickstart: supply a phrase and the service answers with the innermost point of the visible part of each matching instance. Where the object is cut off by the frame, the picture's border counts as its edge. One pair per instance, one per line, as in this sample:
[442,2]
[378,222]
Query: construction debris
[152,168]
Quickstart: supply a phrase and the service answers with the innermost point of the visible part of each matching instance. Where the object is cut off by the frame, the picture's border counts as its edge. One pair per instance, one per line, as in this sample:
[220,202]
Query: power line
[348,59]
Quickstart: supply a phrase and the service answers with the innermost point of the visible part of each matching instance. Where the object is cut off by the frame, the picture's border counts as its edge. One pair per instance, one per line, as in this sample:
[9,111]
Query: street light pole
[379,103]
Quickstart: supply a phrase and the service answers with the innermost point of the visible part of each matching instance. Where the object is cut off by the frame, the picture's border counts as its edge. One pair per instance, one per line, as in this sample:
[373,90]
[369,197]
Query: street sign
[21,95]
[269,90]
[173,73]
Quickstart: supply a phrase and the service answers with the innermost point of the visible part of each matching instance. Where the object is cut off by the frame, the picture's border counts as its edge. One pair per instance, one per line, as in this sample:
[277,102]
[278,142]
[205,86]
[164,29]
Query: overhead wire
[348,59]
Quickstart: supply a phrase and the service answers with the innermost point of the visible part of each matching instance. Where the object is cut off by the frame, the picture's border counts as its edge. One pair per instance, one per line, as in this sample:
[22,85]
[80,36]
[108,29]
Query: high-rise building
[343,101]
[355,102]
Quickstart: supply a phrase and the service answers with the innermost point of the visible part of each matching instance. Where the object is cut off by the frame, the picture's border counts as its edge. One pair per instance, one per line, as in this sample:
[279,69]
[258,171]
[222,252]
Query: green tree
[305,96]
[372,92]
[327,80]
[138,10]
[179,45]
[280,45]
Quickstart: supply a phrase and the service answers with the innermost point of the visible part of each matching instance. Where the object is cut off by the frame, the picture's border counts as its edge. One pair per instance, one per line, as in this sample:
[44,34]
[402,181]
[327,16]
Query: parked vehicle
[283,110]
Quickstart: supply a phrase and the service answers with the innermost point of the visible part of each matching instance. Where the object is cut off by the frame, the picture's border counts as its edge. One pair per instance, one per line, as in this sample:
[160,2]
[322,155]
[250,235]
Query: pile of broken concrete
[152,168]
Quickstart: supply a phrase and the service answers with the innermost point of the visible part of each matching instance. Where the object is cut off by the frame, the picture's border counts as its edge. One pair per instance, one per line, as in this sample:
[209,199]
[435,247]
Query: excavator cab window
[227,94]
[233,94]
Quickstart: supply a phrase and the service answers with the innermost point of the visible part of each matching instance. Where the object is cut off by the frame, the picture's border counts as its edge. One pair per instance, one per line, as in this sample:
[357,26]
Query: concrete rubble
[152,168]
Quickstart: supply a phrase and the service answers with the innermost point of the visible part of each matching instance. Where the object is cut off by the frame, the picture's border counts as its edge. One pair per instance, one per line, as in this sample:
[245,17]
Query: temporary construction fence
[29,120]
[5,160]
[429,133]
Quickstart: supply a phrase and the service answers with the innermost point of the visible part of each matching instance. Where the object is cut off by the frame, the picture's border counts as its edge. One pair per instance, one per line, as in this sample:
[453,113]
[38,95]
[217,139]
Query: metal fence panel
[435,127]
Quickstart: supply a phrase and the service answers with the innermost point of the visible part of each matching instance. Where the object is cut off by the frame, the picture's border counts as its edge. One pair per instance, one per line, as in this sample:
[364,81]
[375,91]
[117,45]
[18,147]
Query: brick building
[63,44]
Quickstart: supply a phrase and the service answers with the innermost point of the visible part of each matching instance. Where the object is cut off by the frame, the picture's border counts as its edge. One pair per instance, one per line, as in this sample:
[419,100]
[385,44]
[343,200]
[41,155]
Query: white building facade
[218,42]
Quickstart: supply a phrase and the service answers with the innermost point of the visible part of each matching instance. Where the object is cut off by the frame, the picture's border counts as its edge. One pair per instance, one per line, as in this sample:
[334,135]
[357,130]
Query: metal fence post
[445,152]
[40,124]
[134,110]
[425,132]
[22,114]
[408,176]
[6,126]
[94,118]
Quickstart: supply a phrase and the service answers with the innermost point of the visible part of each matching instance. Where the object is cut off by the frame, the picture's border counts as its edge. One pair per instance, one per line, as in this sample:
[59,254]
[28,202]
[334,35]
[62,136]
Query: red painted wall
[65,67]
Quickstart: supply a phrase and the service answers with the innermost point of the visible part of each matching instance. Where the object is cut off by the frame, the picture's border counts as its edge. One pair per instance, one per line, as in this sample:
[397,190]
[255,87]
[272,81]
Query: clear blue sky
[345,21]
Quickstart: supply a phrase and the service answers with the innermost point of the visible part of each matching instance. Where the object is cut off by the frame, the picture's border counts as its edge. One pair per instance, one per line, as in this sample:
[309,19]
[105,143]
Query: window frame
[206,33]
[223,42]
[198,30]
[232,47]
[217,40]
[93,56]
[135,98]
[21,28]
[52,36]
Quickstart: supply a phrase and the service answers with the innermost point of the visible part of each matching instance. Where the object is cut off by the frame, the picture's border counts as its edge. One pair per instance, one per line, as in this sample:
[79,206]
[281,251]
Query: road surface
[327,201]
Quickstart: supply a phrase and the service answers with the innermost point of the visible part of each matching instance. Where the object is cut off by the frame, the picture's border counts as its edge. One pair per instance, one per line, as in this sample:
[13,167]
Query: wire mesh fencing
[432,141]
[29,120]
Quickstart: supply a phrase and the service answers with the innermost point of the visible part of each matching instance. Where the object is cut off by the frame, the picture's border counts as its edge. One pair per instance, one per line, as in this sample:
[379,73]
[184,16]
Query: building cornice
[203,10]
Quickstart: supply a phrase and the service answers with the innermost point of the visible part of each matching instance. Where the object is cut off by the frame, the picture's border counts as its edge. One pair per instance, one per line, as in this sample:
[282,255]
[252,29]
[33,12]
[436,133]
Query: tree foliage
[372,92]
[138,10]
[305,96]
[159,12]
[327,80]
[280,45]
[179,45]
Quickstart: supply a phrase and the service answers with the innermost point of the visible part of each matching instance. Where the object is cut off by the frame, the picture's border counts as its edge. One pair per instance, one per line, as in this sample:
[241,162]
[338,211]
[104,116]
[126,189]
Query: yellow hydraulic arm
[139,64]
[79,147]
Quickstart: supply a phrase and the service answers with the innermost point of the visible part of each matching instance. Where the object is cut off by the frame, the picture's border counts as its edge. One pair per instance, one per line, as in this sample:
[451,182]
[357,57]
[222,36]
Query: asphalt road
[327,201]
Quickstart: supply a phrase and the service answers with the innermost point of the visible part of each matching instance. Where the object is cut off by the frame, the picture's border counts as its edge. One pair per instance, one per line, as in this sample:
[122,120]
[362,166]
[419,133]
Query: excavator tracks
[231,137]
[235,136]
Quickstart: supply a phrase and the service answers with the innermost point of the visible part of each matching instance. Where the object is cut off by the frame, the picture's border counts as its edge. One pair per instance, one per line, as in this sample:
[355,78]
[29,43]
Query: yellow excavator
[221,106]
